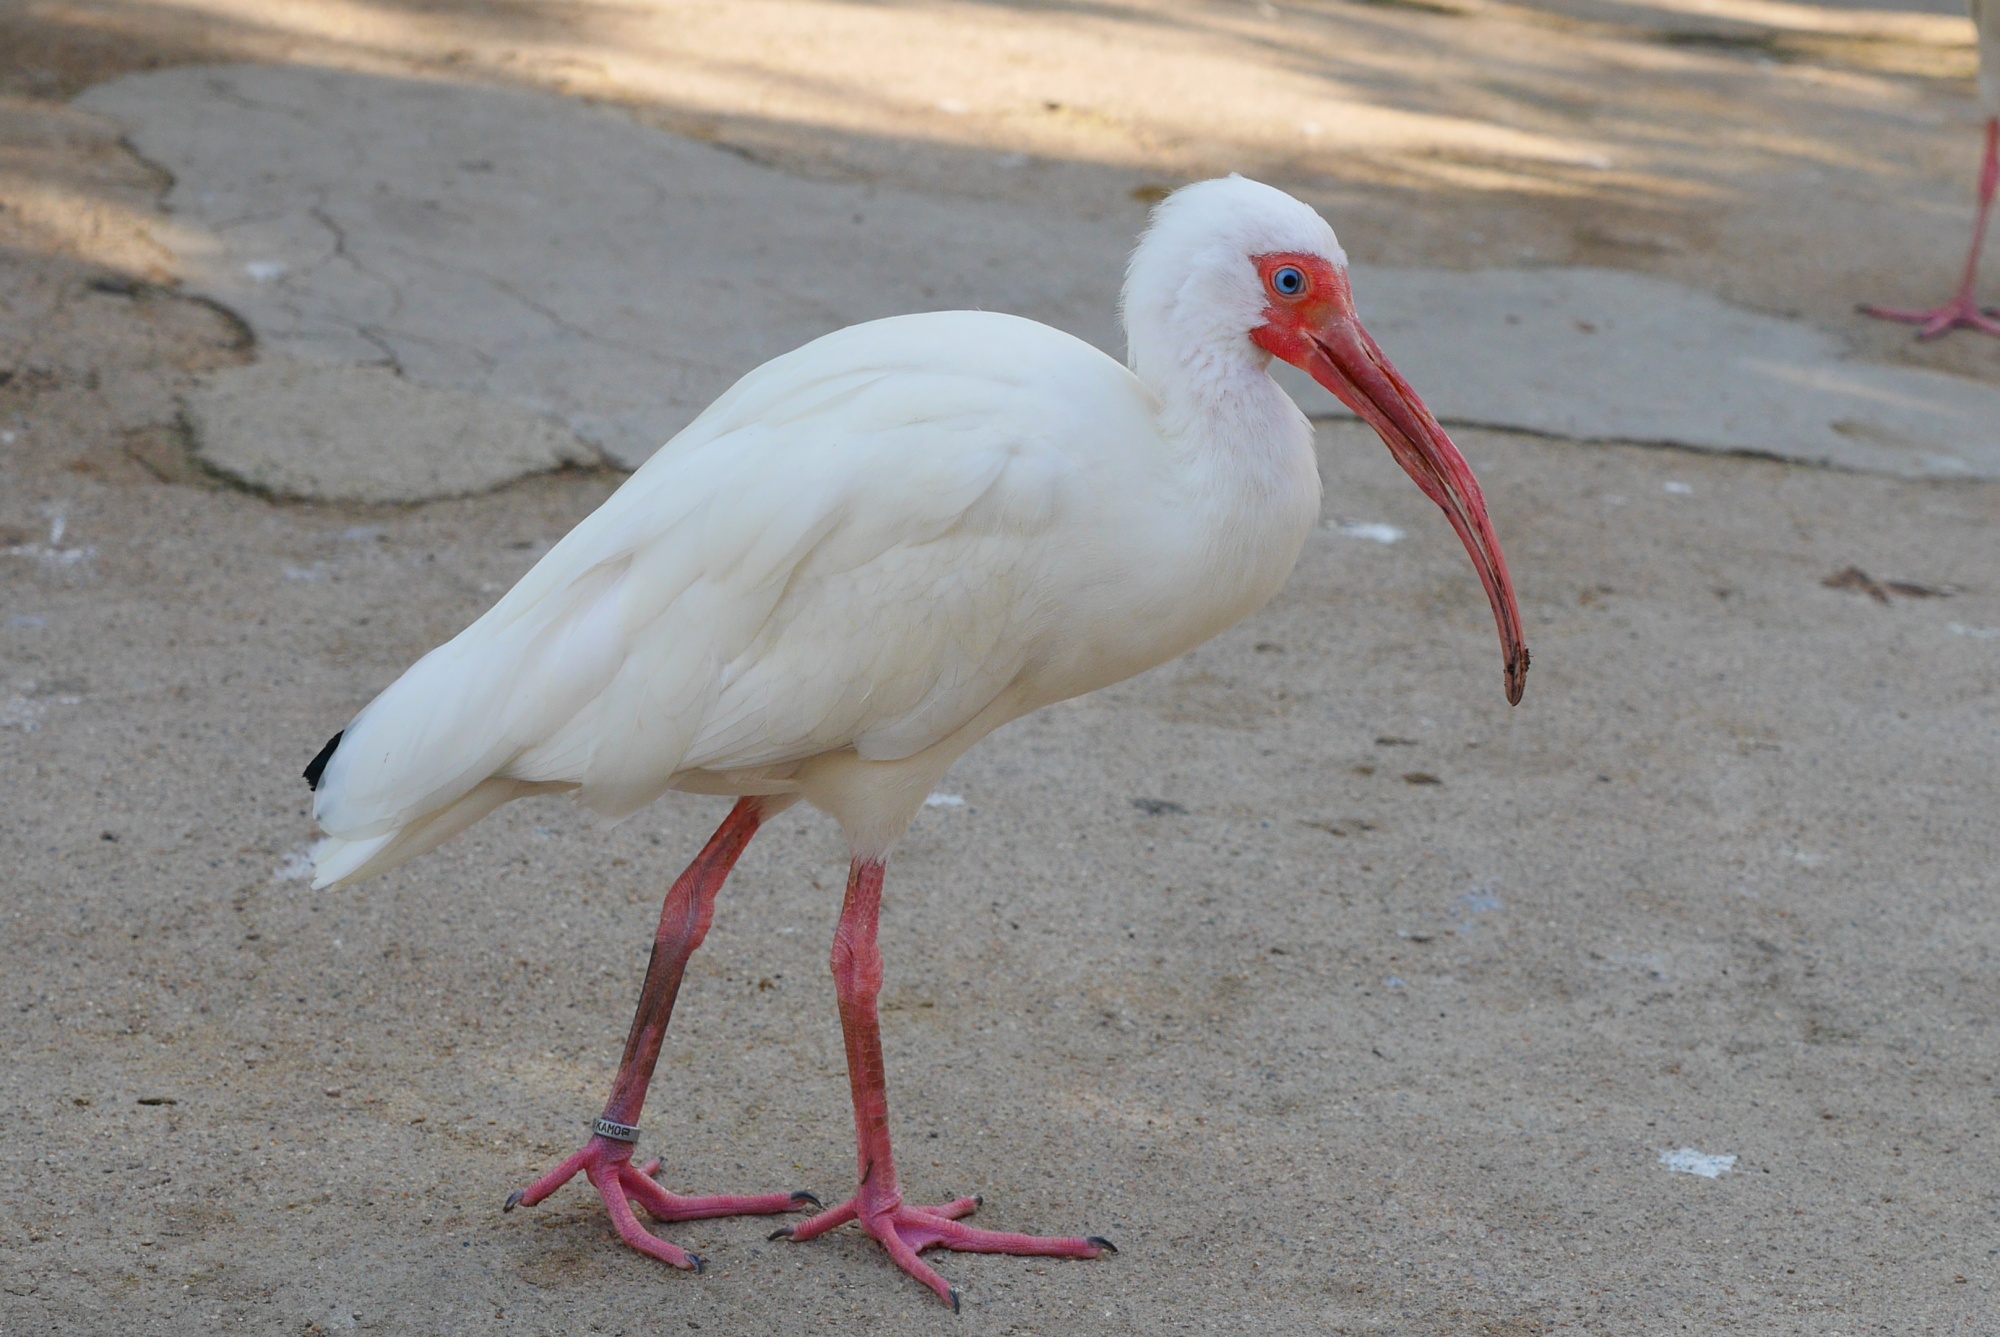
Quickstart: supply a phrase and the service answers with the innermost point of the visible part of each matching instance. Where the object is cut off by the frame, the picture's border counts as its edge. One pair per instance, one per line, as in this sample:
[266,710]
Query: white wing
[848,549]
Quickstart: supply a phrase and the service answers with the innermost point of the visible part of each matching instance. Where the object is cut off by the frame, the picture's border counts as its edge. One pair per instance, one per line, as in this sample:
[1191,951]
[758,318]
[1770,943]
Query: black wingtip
[317,766]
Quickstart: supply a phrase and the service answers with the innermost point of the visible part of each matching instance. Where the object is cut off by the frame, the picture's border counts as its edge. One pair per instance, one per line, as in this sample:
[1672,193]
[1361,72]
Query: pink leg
[1963,309]
[878,1204]
[606,1160]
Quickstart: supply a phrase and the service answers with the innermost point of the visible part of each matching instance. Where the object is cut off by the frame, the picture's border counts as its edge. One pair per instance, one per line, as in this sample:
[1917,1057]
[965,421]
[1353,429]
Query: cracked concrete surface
[563,260]
[555,256]
[1598,355]
[337,432]
[1325,1048]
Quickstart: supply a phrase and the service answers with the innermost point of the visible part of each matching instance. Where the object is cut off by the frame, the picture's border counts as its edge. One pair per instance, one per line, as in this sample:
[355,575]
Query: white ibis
[865,557]
[1963,308]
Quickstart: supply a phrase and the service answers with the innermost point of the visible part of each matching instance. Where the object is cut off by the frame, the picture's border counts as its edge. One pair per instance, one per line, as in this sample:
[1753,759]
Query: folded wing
[849,549]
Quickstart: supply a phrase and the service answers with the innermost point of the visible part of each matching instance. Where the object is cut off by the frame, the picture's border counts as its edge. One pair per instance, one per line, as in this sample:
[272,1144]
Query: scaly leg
[607,1158]
[1963,309]
[878,1204]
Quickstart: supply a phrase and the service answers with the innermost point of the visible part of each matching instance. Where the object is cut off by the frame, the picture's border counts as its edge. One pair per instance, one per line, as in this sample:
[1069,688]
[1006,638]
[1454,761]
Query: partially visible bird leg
[607,1158]
[1963,309]
[878,1204]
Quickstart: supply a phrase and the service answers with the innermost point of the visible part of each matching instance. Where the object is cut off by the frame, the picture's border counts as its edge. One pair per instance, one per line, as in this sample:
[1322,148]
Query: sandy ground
[1344,999]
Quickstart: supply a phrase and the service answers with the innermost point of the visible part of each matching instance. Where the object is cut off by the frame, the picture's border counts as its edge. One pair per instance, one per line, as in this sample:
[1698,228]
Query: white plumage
[864,557]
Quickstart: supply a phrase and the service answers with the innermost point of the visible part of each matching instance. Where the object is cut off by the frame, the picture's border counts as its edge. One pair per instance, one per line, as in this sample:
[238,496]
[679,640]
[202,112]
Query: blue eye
[1289,281]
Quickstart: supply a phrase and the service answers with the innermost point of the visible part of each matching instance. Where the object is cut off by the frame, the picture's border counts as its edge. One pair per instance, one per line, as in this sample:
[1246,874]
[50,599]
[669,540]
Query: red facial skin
[1317,331]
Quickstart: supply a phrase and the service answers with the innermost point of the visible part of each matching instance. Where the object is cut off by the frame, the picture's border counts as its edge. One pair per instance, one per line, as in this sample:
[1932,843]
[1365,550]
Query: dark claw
[699,1265]
[514,1199]
[782,1233]
[954,1299]
[803,1196]
[978,1201]
[1102,1243]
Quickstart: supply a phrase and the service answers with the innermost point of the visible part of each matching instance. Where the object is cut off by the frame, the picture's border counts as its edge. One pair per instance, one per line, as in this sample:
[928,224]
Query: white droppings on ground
[1976,633]
[296,866]
[1393,982]
[317,571]
[1481,901]
[1688,1161]
[265,271]
[944,800]
[52,555]
[22,714]
[1678,489]
[62,559]
[1372,530]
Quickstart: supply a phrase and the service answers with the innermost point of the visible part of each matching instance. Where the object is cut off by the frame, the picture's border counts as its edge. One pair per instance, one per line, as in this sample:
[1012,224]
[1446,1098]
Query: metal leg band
[617,1132]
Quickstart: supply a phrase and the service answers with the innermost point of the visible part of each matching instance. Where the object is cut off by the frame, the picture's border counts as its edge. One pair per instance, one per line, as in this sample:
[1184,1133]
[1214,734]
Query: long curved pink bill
[1347,362]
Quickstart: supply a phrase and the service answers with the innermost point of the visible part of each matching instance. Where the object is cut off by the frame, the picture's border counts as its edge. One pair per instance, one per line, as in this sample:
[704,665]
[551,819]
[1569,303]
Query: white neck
[1192,297]
[1250,482]
[1218,397]
[1238,430]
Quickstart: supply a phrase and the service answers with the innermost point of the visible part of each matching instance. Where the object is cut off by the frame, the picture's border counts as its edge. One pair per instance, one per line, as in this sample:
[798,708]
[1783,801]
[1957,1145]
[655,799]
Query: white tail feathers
[336,860]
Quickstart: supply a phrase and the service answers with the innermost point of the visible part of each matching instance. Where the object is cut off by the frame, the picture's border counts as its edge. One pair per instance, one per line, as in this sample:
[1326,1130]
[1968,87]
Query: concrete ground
[1343,998]
[399,245]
